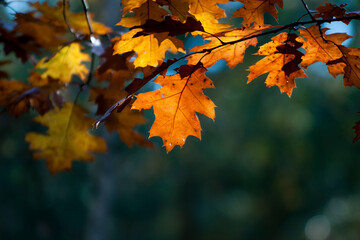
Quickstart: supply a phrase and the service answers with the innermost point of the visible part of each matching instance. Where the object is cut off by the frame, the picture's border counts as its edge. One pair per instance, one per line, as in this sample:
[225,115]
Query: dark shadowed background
[269,167]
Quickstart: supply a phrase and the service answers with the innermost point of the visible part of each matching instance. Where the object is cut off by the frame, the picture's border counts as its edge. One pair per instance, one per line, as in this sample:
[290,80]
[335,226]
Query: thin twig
[87,15]
[312,18]
[92,64]
[67,20]
[308,10]
[289,26]
[133,89]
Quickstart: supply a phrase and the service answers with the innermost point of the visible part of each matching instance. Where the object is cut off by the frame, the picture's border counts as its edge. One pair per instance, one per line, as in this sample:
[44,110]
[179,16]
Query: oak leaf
[129,5]
[318,50]
[65,63]
[149,49]
[18,97]
[178,9]
[21,45]
[254,10]
[125,121]
[281,63]
[148,10]
[348,65]
[115,69]
[175,105]
[29,25]
[54,16]
[211,24]
[328,11]
[66,140]
[172,27]
[211,7]
[233,54]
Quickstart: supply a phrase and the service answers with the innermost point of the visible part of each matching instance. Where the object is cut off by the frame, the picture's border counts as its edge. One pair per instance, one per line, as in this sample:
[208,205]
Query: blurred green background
[269,167]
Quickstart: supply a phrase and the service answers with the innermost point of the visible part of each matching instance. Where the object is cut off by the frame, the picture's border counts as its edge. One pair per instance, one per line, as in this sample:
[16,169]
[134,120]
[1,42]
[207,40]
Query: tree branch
[67,20]
[86,12]
[308,10]
[312,18]
[137,84]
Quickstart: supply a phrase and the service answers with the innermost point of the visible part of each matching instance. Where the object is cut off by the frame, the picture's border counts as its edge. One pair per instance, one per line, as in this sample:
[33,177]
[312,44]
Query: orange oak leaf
[67,138]
[18,97]
[281,63]
[232,53]
[175,105]
[29,25]
[115,69]
[318,50]
[65,63]
[348,65]
[125,121]
[172,27]
[254,10]
[21,45]
[149,49]
[328,11]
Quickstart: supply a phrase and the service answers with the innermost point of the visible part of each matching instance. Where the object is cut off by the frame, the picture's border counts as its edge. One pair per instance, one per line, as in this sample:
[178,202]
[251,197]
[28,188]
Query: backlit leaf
[253,10]
[175,105]
[65,63]
[66,140]
[281,63]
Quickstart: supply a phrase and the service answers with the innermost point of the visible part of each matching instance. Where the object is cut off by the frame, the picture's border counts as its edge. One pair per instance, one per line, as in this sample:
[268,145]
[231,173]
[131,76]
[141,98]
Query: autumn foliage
[65,56]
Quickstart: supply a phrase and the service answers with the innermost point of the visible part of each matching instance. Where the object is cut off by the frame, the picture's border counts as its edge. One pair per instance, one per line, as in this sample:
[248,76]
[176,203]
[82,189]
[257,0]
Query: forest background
[269,167]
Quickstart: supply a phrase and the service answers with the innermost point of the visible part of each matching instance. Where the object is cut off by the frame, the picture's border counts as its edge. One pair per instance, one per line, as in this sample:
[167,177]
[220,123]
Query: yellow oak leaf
[211,7]
[54,16]
[281,63]
[129,5]
[65,63]
[148,10]
[67,138]
[179,10]
[254,10]
[318,50]
[125,121]
[231,53]
[211,24]
[175,105]
[149,50]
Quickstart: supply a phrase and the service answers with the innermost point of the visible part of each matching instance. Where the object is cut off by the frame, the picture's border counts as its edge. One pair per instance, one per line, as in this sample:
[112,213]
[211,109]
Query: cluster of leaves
[154,29]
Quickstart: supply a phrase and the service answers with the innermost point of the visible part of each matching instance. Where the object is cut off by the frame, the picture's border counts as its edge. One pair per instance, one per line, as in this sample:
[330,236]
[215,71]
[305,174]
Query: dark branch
[137,84]
[67,20]
[308,10]
[312,18]
[87,15]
